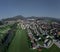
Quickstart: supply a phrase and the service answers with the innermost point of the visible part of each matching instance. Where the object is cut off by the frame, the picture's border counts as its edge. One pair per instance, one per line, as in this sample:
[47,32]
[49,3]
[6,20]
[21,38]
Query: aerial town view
[29,26]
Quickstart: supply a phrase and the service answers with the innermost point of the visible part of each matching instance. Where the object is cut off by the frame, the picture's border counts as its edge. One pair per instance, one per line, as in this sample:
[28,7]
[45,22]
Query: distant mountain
[14,18]
[45,18]
[32,17]
[51,18]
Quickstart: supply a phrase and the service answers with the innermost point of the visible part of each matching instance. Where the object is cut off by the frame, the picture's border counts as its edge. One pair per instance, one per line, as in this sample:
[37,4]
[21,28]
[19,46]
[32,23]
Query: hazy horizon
[45,8]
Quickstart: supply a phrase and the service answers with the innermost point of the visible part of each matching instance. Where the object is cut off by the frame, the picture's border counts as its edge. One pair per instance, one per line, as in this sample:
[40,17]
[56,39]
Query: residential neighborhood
[43,34]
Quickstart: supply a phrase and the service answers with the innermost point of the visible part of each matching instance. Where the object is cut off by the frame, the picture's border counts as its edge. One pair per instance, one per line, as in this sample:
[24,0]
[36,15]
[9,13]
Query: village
[41,33]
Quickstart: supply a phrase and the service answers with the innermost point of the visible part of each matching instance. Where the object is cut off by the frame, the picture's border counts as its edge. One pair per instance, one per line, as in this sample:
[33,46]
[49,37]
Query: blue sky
[49,8]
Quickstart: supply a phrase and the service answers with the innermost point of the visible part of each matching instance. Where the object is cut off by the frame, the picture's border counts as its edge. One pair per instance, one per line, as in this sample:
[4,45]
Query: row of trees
[8,38]
[1,23]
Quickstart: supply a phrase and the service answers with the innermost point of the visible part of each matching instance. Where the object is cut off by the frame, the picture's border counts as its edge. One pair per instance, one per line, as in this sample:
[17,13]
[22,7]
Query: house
[59,33]
[10,22]
[47,36]
[47,43]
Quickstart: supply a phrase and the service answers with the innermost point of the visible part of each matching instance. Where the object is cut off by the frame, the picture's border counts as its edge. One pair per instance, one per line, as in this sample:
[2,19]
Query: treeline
[4,44]
[1,23]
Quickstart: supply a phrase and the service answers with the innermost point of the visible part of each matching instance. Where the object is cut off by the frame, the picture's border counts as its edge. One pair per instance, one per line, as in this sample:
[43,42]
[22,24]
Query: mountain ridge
[32,17]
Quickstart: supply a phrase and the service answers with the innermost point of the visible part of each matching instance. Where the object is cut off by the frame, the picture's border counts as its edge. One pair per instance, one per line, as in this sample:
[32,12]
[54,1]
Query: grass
[41,42]
[54,48]
[19,43]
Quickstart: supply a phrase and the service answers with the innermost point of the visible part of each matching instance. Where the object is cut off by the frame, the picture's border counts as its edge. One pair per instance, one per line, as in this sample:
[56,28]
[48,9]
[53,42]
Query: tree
[1,23]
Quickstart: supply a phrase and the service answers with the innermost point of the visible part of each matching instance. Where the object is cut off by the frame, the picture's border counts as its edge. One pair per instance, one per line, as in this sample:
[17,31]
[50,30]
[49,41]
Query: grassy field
[54,48]
[19,43]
